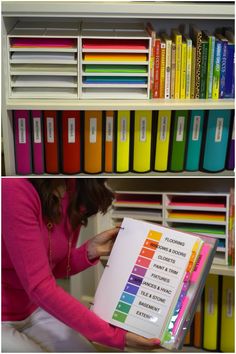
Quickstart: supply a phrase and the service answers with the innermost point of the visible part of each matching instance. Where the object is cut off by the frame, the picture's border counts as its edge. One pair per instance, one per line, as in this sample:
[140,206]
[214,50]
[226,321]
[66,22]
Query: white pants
[41,332]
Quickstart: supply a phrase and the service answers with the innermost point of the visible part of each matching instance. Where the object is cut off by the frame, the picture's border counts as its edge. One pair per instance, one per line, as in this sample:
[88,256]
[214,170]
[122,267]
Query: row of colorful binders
[71,142]
[198,65]
[213,325]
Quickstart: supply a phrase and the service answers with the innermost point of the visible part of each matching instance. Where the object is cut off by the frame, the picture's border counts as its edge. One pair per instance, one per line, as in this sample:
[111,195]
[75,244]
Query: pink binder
[22,142]
[37,142]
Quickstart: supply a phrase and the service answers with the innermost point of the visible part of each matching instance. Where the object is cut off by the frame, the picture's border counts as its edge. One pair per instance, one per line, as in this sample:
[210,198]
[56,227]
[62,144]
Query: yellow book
[183,70]
[177,39]
[188,68]
[210,330]
[227,316]
[162,70]
[162,140]
[123,141]
[142,141]
[115,57]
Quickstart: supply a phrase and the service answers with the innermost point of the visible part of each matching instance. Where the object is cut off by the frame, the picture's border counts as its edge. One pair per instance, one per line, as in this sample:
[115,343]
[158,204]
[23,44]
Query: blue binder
[194,141]
[216,140]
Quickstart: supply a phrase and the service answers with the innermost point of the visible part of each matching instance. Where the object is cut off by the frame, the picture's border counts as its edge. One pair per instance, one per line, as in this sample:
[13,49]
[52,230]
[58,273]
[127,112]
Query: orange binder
[109,141]
[71,141]
[51,142]
[93,142]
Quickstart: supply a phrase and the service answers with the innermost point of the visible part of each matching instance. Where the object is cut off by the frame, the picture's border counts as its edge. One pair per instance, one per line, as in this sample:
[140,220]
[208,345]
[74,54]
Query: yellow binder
[183,70]
[210,331]
[162,141]
[142,141]
[227,315]
[123,141]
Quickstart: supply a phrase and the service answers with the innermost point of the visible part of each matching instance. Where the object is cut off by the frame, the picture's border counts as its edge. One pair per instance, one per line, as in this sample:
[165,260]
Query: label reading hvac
[219,129]
[123,127]
[71,130]
[37,130]
[50,130]
[143,129]
[180,129]
[92,130]
[109,128]
[163,128]
[229,303]
[196,128]
[22,130]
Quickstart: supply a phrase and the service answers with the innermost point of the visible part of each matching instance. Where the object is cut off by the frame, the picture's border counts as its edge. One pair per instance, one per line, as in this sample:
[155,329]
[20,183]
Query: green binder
[179,134]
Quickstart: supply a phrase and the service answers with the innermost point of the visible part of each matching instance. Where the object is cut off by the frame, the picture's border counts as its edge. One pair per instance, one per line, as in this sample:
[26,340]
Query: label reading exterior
[123,127]
[71,130]
[37,130]
[50,130]
[180,129]
[229,303]
[93,130]
[109,128]
[22,130]
[196,128]
[143,129]
[219,129]
[163,128]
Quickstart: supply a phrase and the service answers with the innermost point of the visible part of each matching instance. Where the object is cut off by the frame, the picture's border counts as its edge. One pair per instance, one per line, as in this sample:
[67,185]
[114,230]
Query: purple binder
[231,153]
[37,142]
[22,142]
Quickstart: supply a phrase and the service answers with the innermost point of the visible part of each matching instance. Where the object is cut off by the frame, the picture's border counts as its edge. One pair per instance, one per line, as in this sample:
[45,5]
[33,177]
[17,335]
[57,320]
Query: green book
[115,69]
[203,72]
[210,66]
[177,153]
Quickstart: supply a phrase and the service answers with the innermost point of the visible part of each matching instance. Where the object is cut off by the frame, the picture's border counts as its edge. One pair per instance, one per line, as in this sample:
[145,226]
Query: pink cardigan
[28,281]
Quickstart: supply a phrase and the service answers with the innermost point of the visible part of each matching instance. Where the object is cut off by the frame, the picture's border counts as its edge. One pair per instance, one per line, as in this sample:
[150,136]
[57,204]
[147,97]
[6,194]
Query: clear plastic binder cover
[186,305]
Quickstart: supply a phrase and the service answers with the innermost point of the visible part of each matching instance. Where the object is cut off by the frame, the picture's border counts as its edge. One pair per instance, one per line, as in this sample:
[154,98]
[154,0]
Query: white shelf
[222,270]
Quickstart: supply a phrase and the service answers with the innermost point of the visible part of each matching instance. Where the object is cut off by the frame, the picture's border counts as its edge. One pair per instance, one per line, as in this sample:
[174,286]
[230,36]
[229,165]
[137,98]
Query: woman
[41,220]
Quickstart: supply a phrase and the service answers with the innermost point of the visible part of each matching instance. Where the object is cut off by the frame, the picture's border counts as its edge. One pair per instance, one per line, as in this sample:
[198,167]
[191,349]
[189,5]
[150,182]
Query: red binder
[71,141]
[51,142]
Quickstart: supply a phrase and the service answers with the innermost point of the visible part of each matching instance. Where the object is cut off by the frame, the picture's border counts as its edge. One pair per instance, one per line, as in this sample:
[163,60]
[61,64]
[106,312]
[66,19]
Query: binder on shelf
[22,139]
[227,316]
[51,137]
[142,141]
[93,142]
[162,140]
[178,143]
[211,311]
[216,140]
[109,141]
[198,323]
[231,150]
[194,140]
[37,142]
[71,142]
[123,141]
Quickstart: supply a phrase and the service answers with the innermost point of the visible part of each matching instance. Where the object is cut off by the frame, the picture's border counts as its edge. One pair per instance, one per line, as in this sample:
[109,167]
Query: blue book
[194,140]
[216,140]
[224,42]
[230,62]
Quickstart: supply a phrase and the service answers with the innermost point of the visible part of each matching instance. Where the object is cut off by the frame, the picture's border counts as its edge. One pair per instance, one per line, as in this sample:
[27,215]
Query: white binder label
[143,129]
[210,301]
[163,128]
[37,130]
[109,128]
[92,130]
[123,127]
[219,130]
[71,130]
[180,129]
[233,132]
[50,130]
[196,128]
[22,130]
[229,303]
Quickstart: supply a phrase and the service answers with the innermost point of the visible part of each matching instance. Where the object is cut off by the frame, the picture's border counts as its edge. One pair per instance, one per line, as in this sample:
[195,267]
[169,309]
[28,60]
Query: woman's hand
[101,244]
[136,341]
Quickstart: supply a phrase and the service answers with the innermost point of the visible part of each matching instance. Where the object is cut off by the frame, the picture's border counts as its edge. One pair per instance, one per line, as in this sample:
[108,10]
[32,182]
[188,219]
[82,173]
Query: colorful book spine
[178,42]
[203,70]
[231,227]
[157,68]
[51,132]
[109,141]
[173,69]
[188,68]
[183,70]
[123,141]
[197,40]
[162,140]
[230,65]
[37,142]
[168,42]
[223,67]
[22,139]
[210,66]
[162,70]
[193,73]
[216,70]
[152,33]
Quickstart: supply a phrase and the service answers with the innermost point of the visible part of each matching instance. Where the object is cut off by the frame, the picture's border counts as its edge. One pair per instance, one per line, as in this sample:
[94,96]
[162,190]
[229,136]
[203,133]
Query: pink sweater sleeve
[21,233]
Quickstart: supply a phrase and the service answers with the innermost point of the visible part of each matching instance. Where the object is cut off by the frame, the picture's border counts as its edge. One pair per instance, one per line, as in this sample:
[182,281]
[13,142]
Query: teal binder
[178,141]
[216,140]
[194,140]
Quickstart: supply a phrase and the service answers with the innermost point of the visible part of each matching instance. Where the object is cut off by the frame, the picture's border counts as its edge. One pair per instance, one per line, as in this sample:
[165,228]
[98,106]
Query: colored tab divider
[136,277]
